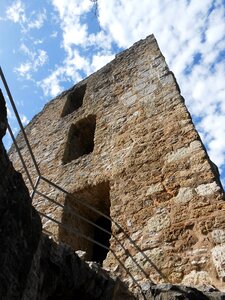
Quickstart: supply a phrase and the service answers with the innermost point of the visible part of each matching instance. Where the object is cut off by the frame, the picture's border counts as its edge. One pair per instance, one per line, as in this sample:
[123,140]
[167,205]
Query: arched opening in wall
[74,100]
[98,197]
[80,139]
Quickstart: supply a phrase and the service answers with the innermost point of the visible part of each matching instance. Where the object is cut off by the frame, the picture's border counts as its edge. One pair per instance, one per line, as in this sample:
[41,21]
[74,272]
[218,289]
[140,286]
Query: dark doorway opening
[98,197]
[102,237]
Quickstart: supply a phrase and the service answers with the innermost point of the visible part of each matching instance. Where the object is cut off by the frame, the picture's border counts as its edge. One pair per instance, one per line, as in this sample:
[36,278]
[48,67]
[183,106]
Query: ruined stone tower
[123,141]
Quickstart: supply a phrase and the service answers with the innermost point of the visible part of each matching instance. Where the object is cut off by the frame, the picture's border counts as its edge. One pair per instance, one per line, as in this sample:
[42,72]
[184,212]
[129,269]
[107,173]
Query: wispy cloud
[28,21]
[38,21]
[24,70]
[38,41]
[16,13]
[69,71]
[51,85]
[36,59]
[24,120]
[99,60]
[54,35]
[70,12]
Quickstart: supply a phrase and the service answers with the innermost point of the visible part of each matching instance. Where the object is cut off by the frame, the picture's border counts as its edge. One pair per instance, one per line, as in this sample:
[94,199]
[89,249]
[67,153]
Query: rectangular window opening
[80,139]
[74,100]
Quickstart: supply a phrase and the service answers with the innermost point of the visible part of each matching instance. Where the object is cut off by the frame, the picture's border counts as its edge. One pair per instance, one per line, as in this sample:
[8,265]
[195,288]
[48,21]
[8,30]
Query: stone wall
[123,141]
[32,265]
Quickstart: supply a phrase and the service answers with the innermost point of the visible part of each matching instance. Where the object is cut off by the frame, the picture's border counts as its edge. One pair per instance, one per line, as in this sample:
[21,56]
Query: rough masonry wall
[163,189]
[33,266]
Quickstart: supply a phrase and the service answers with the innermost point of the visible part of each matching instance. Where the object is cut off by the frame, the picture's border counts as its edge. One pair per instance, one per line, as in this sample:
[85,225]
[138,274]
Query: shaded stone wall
[57,273]
[20,225]
[127,125]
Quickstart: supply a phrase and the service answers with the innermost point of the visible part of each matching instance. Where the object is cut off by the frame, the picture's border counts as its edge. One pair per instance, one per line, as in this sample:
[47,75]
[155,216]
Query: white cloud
[216,28]
[69,71]
[38,42]
[36,59]
[38,22]
[99,60]
[212,124]
[16,12]
[42,58]
[77,61]
[54,35]
[25,49]
[74,32]
[52,85]
[24,69]
[24,120]
[9,113]
[76,37]
[100,40]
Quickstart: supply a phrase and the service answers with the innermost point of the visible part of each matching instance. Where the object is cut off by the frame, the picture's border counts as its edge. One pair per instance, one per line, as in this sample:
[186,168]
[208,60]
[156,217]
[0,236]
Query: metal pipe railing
[35,187]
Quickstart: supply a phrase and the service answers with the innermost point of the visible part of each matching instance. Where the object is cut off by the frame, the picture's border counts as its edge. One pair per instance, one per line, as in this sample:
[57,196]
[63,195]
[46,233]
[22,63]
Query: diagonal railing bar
[19,120]
[144,255]
[20,155]
[130,274]
[35,187]
[71,211]
[77,232]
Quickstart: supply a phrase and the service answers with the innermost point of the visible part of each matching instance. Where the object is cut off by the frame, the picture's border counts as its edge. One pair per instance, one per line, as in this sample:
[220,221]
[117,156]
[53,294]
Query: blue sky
[47,46]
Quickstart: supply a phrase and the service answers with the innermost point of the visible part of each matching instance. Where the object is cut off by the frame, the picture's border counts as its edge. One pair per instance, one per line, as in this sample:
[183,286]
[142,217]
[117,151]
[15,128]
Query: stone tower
[123,141]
